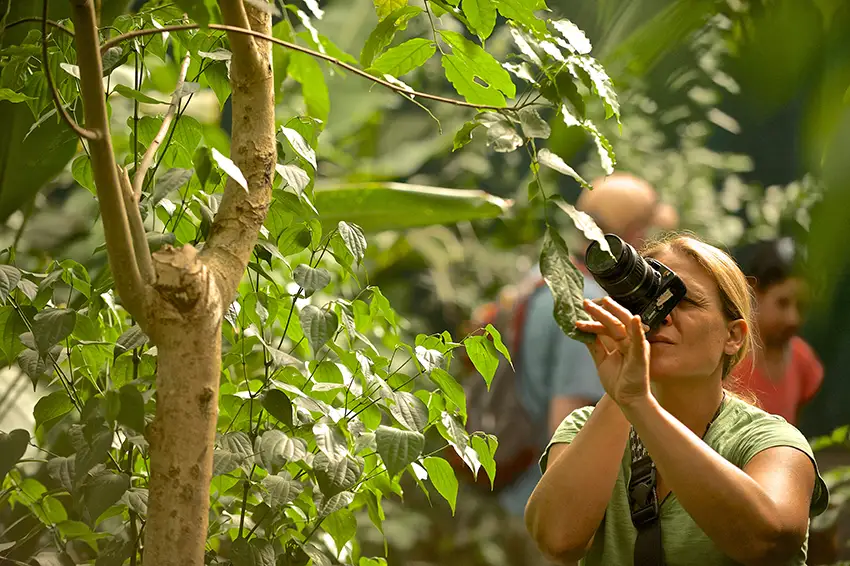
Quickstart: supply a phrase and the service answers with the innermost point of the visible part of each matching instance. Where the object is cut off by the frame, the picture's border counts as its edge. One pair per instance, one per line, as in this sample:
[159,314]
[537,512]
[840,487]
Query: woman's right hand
[620,351]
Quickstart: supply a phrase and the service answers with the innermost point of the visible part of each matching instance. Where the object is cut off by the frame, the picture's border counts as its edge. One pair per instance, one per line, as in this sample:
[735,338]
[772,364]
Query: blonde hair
[735,294]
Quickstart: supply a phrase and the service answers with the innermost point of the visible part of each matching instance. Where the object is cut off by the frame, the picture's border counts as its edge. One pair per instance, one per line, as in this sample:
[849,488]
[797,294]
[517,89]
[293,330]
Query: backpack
[500,410]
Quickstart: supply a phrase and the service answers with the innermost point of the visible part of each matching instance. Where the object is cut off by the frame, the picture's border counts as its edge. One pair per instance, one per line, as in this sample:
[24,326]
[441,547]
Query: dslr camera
[644,286]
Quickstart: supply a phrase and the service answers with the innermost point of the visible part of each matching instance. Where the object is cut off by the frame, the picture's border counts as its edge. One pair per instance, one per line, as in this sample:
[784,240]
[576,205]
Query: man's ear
[737,336]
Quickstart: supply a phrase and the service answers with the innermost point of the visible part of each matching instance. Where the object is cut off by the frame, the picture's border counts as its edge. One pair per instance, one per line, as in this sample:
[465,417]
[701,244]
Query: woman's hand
[620,351]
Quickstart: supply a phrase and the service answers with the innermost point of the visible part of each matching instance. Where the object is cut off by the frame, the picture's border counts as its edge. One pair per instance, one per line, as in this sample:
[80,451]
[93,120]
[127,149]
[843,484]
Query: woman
[735,485]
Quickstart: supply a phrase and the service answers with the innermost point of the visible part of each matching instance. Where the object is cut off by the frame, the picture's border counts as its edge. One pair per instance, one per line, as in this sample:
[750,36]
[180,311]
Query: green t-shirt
[740,432]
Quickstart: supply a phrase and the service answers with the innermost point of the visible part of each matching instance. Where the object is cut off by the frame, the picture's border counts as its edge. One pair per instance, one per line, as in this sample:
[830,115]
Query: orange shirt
[802,379]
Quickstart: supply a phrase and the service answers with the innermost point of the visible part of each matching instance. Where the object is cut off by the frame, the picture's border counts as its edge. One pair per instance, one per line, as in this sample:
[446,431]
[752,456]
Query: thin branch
[51,23]
[141,32]
[147,159]
[82,132]
[137,228]
[116,226]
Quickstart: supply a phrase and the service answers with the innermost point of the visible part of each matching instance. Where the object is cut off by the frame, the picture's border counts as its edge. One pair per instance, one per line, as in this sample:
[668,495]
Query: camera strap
[644,506]
[643,500]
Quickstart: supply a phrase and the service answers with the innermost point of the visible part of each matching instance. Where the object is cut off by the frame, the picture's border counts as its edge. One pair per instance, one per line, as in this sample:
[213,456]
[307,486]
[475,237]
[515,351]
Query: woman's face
[693,340]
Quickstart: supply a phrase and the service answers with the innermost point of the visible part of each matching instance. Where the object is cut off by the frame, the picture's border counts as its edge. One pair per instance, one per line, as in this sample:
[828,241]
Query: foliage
[329,398]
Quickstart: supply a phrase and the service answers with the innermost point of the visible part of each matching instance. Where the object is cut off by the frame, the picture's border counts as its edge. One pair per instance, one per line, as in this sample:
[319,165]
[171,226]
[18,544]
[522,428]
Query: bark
[185,323]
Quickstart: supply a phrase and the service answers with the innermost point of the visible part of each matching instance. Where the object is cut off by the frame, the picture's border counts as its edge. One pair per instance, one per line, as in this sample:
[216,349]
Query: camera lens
[625,276]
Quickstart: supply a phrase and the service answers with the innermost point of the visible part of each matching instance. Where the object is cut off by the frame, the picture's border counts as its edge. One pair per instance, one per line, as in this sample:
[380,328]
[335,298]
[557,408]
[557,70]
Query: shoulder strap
[644,506]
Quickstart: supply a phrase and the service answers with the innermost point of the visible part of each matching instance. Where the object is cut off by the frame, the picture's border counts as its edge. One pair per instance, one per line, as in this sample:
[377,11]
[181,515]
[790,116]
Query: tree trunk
[186,326]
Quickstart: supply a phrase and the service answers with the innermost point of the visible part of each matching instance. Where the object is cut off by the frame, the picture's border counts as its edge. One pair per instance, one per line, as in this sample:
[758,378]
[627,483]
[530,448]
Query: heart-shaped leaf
[256,552]
[278,405]
[354,239]
[281,489]
[319,325]
[51,326]
[443,477]
[277,449]
[409,410]
[398,448]
[102,491]
[129,340]
[9,278]
[12,448]
[335,476]
[311,279]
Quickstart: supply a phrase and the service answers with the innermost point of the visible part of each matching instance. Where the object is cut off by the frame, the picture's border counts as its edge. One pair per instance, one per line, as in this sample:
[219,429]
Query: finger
[639,344]
[617,310]
[616,329]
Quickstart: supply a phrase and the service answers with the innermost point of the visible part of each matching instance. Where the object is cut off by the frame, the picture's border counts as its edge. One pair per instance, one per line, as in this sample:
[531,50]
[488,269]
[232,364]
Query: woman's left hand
[620,351]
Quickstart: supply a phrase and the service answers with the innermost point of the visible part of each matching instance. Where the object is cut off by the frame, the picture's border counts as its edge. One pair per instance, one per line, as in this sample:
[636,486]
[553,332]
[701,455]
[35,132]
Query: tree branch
[147,159]
[137,229]
[119,244]
[253,149]
[294,47]
[51,23]
[82,132]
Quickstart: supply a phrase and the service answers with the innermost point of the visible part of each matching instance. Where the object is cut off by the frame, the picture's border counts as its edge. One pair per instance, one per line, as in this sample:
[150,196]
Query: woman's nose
[668,320]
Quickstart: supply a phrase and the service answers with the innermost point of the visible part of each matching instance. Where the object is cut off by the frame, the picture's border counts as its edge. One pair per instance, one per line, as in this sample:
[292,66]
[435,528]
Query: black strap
[644,506]
[643,501]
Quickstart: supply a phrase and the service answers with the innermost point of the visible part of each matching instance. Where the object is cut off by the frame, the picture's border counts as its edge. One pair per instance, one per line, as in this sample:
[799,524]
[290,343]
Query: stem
[295,47]
[147,159]
[51,23]
[82,132]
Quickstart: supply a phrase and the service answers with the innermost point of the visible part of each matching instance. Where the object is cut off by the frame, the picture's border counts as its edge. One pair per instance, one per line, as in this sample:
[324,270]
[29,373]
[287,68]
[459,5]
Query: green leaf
[216,75]
[453,431]
[277,449]
[409,410]
[486,456]
[585,223]
[522,11]
[230,168]
[12,448]
[354,239]
[450,388]
[297,142]
[278,405]
[403,58]
[501,134]
[10,276]
[62,470]
[202,160]
[497,342]
[380,206]
[311,279]
[566,283]
[601,84]
[171,180]
[549,159]
[92,443]
[306,70]
[334,504]
[34,365]
[293,176]
[464,134]
[484,66]
[102,491]
[196,10]
[51,326]
[132,413]
[329,441]
[533,126]
[319,325]
[398,448]
[82,172]
[12,96]
[481,15]
[372,561]
[137,500]
[336,475]
[51,407]
[483,356]
[385,7]
[574,36]
[132,338]
[341,525]
[256,552]
[133,94]
[385,31]
[443,477]
[281,489]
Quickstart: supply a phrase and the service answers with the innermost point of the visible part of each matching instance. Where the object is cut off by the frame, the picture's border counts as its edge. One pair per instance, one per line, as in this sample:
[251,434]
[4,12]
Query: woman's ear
[738,330]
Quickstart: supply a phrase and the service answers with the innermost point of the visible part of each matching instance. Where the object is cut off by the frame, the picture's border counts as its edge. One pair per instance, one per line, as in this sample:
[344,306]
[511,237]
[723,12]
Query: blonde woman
[726,483]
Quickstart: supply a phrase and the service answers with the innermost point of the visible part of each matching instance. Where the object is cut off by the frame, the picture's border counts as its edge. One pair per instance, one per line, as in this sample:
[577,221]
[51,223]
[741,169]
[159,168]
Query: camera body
[644,286]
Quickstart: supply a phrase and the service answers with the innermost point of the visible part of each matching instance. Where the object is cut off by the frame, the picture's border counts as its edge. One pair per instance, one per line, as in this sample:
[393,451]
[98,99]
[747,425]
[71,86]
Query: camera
[644,286]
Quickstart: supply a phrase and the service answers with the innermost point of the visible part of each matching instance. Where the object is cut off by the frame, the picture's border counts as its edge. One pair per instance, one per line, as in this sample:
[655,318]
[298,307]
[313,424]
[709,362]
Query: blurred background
[736,111]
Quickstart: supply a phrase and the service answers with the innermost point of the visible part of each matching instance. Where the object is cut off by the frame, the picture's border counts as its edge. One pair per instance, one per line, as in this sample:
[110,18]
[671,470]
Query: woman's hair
[735,294]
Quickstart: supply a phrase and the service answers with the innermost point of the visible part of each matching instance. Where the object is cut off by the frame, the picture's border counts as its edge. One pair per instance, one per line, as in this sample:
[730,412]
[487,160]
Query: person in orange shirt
[783,372]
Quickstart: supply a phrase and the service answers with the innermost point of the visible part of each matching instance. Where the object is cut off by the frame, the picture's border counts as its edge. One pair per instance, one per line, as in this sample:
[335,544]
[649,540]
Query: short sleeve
[810,367]
[566,431]
[773,431]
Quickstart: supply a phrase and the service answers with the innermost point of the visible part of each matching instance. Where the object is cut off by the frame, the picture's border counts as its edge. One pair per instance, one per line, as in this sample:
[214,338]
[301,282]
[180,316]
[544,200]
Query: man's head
[627,206]
[771,269]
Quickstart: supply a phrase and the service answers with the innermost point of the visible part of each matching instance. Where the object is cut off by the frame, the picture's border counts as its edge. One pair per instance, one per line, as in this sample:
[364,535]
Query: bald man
[557,374]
